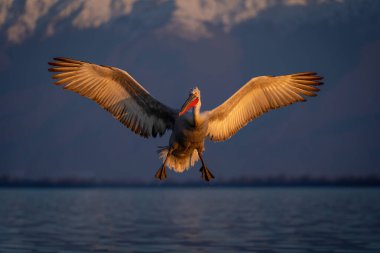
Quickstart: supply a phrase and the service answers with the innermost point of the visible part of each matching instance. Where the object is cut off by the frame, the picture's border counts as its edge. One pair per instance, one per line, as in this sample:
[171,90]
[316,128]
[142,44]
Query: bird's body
[187,138]
[117,92]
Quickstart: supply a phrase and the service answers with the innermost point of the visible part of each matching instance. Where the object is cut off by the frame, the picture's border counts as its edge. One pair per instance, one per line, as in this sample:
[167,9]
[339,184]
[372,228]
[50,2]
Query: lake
[214,219]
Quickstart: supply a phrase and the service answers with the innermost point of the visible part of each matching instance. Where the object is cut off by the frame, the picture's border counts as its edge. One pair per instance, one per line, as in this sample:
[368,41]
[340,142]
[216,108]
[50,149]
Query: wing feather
[256,97]
[117,92]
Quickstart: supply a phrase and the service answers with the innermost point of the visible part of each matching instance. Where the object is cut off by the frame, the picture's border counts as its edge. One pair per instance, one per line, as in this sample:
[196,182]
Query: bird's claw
[161,173]
[206,174]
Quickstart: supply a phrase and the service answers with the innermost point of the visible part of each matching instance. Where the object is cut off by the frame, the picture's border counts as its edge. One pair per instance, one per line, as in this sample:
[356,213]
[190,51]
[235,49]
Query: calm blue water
[190,220]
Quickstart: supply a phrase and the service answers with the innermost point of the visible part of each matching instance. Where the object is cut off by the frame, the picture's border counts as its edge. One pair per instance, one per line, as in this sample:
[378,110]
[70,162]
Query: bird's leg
[161,172]
[206,173]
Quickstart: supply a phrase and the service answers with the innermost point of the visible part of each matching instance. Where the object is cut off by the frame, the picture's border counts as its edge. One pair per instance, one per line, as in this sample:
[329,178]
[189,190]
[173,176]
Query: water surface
[190,220]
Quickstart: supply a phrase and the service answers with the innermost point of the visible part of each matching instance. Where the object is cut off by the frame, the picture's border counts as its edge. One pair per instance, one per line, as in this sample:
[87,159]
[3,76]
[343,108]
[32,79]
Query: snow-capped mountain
[188,19]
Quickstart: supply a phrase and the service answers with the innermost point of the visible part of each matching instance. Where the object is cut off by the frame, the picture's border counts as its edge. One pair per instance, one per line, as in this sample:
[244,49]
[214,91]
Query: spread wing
[117,92]
[256,97]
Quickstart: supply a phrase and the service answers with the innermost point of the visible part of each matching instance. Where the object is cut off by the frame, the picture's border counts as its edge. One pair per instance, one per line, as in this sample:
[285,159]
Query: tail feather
[178,164]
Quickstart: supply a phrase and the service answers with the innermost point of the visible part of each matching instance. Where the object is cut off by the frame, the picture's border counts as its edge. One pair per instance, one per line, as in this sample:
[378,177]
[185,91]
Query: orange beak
[190,103]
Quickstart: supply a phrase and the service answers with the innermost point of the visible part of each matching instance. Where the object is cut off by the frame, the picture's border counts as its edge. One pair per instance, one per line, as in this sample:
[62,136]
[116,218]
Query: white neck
[196,112]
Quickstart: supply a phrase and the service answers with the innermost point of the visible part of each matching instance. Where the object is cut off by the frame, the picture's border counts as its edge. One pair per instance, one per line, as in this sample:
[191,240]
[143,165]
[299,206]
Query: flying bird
[129,102]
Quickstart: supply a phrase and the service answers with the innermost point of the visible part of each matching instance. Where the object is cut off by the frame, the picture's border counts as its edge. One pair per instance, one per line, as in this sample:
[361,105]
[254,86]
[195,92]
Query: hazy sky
[172,46]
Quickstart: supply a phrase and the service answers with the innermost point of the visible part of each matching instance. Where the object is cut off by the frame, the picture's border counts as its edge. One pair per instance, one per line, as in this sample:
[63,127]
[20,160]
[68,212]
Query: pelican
[119,93]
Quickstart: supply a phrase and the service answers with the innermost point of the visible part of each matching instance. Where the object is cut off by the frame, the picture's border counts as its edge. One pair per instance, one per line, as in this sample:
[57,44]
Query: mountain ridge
[190,20]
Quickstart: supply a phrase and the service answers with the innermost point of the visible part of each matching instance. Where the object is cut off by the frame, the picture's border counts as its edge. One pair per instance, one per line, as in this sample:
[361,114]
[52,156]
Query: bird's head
[193,100]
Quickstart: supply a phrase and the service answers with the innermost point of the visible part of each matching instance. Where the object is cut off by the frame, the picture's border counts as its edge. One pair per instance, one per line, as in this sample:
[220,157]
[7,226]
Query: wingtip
[59,58]
[67,60]
[54,63]
[310,74]
[306,73]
